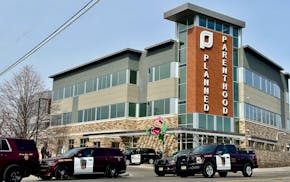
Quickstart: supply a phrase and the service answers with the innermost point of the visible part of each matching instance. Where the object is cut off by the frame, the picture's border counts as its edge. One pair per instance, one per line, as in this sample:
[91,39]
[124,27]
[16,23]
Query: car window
[99,152]
[222,148]
[25,145]
[115,152]
[88,153]
[4,145]
[231,149]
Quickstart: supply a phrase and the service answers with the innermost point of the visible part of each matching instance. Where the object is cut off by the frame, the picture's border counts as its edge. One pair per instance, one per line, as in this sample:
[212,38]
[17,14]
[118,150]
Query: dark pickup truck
[212,158]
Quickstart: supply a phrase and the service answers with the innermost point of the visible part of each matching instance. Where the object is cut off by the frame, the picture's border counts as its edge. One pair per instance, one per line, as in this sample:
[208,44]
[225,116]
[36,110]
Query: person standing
[44,151]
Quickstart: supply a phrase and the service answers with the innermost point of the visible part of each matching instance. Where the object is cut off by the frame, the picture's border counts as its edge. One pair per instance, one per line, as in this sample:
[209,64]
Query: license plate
[160,169]
[183,167]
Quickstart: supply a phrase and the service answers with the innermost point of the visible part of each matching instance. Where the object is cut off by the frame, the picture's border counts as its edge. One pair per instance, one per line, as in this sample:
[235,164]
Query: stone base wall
[274,151]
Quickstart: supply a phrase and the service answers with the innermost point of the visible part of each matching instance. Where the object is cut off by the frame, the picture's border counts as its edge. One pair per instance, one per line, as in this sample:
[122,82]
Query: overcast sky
[113,25]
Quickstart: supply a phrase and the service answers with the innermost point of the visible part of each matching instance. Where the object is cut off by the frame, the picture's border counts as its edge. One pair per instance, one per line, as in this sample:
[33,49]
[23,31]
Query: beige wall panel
[259,98]
[62,106]
[166,88]
[112,95]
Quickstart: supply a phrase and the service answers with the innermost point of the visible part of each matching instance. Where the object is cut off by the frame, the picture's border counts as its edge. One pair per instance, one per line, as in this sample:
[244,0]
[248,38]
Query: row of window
[258,114]
[214,25]
[157,107]
[61,119]
[159,72]
[98,83]
[259,82]
[106,112]
[205,121]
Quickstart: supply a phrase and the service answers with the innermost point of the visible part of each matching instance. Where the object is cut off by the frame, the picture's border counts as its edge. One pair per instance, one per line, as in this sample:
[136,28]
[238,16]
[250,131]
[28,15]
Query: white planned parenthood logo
[206,39]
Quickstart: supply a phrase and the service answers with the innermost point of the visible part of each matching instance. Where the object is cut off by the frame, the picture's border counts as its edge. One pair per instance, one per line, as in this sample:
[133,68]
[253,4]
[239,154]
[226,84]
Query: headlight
[199,160]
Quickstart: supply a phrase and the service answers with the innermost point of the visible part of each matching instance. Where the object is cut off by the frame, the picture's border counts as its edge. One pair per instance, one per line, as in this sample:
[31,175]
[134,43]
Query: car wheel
[13,174]
[247,170]
[151,161]
[208,170]
[45,177]
[61,173]
[223,174]
[111,171]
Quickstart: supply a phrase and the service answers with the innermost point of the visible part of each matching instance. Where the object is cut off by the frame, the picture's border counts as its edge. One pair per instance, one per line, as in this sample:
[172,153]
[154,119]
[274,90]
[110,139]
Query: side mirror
[219,153]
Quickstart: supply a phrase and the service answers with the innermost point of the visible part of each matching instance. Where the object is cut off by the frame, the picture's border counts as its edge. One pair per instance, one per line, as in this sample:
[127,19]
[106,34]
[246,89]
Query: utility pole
[38,113]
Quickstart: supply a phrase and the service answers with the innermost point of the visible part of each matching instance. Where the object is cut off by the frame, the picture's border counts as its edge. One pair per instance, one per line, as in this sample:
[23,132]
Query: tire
[208,170]
[46,178]
[151,161]
[160,173]
[111,172]
[183,174]
[247,170]
[13,174]
[61,173]
[223,174]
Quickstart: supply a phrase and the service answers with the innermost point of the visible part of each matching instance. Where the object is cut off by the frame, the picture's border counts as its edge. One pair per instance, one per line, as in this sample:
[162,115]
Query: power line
[70,21]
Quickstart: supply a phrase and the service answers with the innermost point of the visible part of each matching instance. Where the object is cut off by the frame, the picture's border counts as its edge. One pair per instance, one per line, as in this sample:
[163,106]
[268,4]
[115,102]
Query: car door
[84,162]
[4,152]
[236,162]
[223,159]
[101,160]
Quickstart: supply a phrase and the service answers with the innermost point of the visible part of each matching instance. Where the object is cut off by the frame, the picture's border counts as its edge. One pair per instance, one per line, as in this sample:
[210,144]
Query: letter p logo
[206,39]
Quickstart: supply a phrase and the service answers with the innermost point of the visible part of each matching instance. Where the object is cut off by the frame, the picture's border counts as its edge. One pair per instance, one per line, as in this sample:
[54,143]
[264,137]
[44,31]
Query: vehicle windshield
[71,152]
[204,149]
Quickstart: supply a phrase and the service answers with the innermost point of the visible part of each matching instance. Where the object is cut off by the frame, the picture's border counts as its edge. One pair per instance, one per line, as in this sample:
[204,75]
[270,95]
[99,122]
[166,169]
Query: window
[227,124]
[89,114]
[4,145]
[132,109]
[66,118]
[80,88]
[142,109]
[162,106]
[182,92]
[160,72]
[68,91]
[97,144]
[133,77]
[150,74]
[181,108]
[202,21]
[113,111]
[121,110]
[226,29]
[182,56]
[210,122]
[122,77]
[91,85]
[104,81]
[218,26]
[202,121]
[104,112]
[71,143]
[115,144]
[210,24]
[182,75]
[80,116]
[83,142]
[219,121]
[182,120]
[182,40]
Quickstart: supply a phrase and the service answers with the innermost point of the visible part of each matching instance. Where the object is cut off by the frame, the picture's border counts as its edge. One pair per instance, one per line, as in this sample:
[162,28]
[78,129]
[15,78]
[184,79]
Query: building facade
[205,85]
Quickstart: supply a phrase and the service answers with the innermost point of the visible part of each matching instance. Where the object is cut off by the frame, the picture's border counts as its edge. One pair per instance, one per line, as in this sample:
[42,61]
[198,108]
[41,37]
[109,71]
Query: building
[206,86]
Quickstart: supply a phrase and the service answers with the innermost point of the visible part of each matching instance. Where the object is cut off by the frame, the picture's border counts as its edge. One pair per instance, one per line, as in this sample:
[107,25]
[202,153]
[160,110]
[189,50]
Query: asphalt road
[145,173]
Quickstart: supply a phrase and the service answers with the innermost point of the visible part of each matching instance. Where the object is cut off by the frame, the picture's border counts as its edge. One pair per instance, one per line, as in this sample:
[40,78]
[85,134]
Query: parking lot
[145,172]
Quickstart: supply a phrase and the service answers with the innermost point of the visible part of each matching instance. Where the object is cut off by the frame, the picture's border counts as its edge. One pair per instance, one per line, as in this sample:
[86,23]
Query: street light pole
[38,113]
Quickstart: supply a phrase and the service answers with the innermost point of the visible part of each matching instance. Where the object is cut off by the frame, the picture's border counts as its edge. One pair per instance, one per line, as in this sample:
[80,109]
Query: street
[145,173]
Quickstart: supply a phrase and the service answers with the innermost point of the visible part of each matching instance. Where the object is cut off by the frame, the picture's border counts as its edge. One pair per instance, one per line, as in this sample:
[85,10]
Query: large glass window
[66,118]
[104,112]
[202,121]
[113,111]
[227,124]
[219,121]
[80,116]
[132,109]
[91,85]
[80,88]
[210,122]
[182,40]
[68,91]
[202,21]
[133,77]
[142,109]
[121,110]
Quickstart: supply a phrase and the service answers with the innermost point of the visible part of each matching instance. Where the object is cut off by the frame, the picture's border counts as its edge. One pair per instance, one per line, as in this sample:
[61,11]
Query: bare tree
[20,104]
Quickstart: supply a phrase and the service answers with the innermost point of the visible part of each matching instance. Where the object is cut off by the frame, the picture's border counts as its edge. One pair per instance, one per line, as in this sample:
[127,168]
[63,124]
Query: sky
[112,25]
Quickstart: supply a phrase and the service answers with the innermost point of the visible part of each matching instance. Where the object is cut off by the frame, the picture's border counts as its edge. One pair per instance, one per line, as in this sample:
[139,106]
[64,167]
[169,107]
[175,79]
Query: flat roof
[118,53]
[160,44]
[182,12]
[266,59]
